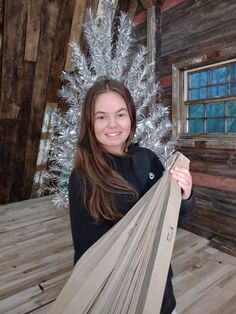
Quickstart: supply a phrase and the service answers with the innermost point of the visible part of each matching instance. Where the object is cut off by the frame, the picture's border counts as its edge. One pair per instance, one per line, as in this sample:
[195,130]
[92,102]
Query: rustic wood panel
[197,33]
[50,12]
[15,17]
[33,30]
[214,217]
[20,166]
[76,28]
[36,259]
[60,48]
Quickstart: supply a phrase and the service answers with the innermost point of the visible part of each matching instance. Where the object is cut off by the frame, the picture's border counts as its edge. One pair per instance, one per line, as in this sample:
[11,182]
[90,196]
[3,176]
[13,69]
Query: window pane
[198,79]
[231,109]
[233,89]
[196,126]
[198,94]
[215,110]
[196,111]
[215,126]
[218,91]
[231,125]
[219,75]
[233,72]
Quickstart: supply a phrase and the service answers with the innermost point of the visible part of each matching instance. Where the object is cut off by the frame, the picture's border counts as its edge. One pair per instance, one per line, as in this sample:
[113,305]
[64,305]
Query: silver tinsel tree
[121,60]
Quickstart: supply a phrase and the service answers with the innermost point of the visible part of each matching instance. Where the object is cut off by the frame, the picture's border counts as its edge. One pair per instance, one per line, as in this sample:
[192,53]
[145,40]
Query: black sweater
[141,169]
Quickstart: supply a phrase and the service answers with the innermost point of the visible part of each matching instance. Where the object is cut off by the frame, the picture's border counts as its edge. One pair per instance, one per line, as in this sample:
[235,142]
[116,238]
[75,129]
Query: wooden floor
[36,259]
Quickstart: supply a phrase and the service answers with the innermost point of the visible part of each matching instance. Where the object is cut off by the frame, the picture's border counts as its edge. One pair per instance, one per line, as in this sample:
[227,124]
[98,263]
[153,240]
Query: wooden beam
[147,3]
[151,35]
[76,29]
[132,7]
[216,182]
[168,4]
[33,30]
[60,48]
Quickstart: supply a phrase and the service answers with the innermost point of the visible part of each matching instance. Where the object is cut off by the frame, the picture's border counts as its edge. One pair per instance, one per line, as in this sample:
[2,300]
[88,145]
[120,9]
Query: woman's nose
[112,122]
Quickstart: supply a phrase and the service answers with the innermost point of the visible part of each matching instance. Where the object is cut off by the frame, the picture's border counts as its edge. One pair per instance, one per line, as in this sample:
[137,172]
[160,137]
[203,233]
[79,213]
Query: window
[204,102]
[205,113]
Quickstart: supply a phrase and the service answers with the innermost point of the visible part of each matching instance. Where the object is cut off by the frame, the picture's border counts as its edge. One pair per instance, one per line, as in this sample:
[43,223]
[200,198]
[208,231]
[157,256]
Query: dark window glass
[196,111]
[215,126]
[219,75]
[198,94]
[231,109]
[218,91]
[198,79]
[233,72]
[231,125]
[233,89]
[196,126]
[215,110]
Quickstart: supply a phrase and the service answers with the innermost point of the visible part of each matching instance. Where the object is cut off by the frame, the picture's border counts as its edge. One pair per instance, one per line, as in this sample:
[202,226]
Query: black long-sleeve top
[141,169]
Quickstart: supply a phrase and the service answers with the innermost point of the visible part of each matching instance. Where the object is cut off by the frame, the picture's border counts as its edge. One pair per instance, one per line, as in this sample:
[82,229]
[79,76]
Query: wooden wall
[204,31]
[34,51]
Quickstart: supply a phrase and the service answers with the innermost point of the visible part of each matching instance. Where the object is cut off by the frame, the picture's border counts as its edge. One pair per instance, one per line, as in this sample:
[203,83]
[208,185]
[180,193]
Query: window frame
[179,110]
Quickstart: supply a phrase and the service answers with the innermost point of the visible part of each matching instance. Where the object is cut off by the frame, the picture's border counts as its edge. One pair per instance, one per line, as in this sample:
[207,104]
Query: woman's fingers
[184,179]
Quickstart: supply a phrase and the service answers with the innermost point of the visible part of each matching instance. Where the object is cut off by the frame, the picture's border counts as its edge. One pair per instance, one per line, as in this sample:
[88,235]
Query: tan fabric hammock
[125,271]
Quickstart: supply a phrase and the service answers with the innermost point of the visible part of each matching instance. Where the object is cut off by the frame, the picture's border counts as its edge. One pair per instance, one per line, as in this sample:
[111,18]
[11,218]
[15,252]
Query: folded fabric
[125,271]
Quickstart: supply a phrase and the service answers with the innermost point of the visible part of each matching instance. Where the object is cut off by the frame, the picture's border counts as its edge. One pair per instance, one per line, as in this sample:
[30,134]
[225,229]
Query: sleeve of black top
[84,231]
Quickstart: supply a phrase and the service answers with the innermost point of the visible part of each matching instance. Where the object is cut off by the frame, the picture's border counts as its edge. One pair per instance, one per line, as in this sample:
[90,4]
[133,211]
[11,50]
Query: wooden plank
[1,37]
[27,84]
[15,17]
[140,18]
[8,131]
[147,3]
[60,48]
[46,43]
[198,26]
[33,30]
[76,28]
[168,4]
[151,36]
[222,183]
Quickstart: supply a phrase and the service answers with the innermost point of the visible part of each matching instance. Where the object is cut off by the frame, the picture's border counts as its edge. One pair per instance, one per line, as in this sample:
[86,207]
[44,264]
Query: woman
[111,174]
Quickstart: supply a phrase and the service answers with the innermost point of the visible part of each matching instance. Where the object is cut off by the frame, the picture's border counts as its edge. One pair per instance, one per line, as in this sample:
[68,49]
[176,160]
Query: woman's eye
[121,115]
[100,117]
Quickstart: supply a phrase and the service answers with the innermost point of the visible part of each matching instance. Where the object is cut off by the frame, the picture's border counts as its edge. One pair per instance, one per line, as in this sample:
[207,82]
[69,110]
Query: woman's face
[112,123]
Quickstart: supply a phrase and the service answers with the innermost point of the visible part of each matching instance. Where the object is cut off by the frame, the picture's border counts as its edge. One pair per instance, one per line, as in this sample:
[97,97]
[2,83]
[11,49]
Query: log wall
[204,32]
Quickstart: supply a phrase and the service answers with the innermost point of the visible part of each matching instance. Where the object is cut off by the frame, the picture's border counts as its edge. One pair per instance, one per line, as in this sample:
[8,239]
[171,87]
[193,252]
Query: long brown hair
[99,181]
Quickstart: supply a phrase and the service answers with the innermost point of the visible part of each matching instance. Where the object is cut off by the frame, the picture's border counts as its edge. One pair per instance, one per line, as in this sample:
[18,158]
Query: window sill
[207,141]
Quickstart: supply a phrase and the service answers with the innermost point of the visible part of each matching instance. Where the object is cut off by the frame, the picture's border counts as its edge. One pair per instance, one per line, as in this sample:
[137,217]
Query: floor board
[36,258]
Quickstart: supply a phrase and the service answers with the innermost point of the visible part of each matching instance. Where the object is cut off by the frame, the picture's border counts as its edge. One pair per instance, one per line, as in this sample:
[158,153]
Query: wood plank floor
[36,258]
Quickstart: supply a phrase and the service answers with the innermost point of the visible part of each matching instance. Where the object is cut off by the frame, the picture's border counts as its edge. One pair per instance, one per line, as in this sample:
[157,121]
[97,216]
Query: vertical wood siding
[34,37]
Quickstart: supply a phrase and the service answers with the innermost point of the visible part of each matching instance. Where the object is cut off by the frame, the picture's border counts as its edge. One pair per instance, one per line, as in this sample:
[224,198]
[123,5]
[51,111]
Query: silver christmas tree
[123,60]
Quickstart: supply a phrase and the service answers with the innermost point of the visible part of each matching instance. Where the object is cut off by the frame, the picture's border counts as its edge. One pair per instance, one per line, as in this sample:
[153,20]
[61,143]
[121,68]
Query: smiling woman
[111,173]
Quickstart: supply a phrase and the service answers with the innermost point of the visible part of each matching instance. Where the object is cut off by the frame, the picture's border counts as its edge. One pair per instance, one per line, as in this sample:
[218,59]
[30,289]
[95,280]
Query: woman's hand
[184,179]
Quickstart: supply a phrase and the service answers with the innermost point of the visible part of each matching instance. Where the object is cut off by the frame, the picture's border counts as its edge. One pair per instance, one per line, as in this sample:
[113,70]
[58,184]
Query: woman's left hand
[184,179]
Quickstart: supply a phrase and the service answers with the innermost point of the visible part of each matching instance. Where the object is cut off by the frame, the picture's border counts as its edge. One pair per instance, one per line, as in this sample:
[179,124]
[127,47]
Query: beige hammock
[125,271]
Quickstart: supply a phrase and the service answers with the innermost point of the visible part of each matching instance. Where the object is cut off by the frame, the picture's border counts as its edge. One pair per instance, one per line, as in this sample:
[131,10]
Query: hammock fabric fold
[125,271]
